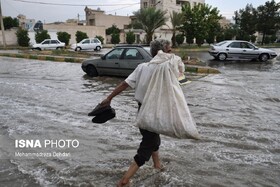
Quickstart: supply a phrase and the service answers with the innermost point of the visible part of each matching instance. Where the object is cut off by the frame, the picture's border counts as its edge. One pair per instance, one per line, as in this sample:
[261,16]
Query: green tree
[41,36]
[80,36]
[22,37]
[220,37]
[101,39]
[64,37]
[149,19]
[268,18]
[230,31]
[10,22]
[253,38]
[245,22]
[180,38]
[113,29]
[115,38]
[176,21]
[273,38]
[199,21]
[130,37]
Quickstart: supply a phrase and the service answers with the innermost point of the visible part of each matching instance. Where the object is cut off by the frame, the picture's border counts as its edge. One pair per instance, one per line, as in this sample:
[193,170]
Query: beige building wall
[99,18]
[91,31]
[224,22]
[10,37]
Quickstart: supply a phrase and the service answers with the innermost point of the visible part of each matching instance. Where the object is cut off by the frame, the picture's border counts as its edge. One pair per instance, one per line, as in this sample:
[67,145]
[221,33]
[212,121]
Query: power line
[121,8]
[63,4]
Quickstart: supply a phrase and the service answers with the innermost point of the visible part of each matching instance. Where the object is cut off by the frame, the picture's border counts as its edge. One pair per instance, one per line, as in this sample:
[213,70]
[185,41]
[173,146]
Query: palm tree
[149,19]
[176,21]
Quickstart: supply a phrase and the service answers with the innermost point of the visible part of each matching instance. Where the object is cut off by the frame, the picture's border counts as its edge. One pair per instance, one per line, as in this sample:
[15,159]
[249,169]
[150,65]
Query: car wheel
[222,56]
[98,48]
[91,71]
[59,48]
[264,57]
[78,49]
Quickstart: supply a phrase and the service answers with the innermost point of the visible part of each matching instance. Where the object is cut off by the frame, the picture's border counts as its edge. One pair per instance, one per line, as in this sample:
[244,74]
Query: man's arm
[121,87]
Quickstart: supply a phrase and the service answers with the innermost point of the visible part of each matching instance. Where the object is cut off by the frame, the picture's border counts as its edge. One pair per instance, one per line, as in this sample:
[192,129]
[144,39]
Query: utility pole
[2,27]
[78,19]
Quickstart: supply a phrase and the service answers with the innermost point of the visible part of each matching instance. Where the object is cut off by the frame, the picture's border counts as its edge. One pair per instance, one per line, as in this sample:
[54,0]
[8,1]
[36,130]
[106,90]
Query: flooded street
[237,114]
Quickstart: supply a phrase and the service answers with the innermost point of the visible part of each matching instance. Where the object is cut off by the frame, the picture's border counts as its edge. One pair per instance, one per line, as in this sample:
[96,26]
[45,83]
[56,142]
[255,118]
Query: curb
[43,57]
[202,70]
[189,68]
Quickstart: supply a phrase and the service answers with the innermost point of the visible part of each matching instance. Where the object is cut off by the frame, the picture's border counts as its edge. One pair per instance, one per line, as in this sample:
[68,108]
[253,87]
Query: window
[145,4]
[86,42]
[46,42]
[95,41]
[133,54]
[54,42]
[234,45]
[247,45]
[115,54]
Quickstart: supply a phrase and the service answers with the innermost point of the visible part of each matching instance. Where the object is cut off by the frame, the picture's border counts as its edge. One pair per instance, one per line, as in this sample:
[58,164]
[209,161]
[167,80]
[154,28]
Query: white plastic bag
[164,109]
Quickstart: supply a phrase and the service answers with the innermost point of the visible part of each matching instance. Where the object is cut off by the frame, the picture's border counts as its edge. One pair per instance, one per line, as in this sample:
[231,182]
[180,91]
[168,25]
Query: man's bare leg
[130,172]
[157,164]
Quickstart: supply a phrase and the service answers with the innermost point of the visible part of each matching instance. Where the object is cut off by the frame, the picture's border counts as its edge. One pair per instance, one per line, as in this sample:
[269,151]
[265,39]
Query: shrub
[41,36]
[130,37]
[80,36]
[113,29]
[22,37]
[115,38]
[101,39]
[63,37]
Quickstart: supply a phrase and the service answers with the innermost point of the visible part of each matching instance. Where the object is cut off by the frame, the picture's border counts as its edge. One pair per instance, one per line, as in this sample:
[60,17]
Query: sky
[72,8]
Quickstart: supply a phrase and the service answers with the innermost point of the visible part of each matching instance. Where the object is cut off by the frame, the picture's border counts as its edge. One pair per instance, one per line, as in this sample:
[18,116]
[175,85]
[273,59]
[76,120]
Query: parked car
[240,50]
[49,44]
[87,44]
[120,61]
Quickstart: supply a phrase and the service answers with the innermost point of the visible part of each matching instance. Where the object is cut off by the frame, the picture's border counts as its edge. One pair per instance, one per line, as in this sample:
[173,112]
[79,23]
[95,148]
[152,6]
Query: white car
[49,44]
[239,49]
[88,44]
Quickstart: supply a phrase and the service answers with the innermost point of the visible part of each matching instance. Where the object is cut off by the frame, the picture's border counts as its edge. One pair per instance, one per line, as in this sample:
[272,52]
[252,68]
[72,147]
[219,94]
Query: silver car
[49,44]
[88,44]
[120,61]
[238,49]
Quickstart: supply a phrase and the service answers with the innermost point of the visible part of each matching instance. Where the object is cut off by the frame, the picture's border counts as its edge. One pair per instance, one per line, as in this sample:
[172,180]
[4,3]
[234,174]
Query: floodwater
[237,114]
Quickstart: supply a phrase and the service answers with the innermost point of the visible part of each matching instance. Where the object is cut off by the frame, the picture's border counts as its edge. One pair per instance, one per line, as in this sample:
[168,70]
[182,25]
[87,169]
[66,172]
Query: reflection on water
[236,113]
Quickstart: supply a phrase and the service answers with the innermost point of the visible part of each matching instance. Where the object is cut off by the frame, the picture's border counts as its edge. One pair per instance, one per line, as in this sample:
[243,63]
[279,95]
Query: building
[100,19]
[169,6]
[24,23]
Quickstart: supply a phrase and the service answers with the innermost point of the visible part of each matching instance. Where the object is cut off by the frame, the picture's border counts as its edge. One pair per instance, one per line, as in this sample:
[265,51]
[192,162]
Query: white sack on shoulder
[164,109]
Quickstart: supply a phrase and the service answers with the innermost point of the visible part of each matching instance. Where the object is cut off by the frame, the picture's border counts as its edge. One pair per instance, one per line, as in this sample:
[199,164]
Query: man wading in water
[139,79]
